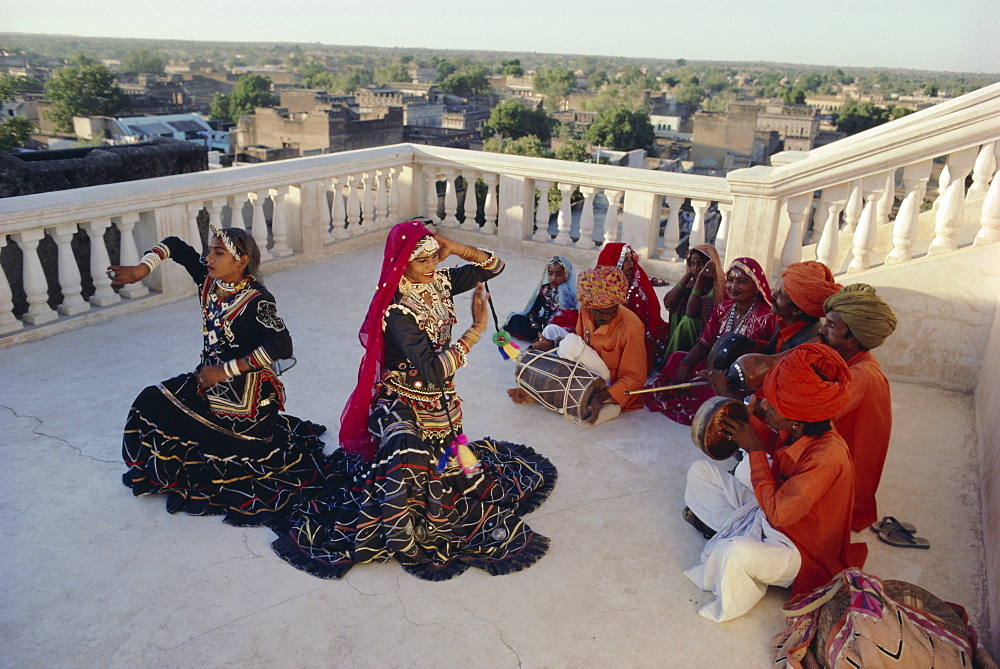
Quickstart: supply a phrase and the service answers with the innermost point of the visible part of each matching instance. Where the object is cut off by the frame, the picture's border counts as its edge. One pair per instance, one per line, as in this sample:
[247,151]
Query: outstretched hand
[123,274]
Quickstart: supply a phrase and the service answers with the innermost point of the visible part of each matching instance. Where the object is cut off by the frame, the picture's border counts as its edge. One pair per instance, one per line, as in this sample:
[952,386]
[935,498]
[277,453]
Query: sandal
[903,538]
[889,523]
[696,522]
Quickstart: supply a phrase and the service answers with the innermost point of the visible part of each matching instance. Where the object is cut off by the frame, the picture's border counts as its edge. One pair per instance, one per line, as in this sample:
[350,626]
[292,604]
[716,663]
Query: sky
[955,35]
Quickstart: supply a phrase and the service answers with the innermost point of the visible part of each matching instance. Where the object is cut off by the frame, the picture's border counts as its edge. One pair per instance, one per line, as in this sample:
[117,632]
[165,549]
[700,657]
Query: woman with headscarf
[414,488]
[690,302]
[746,311]
[792,526]
[641,300]
[552,301]
[214,441]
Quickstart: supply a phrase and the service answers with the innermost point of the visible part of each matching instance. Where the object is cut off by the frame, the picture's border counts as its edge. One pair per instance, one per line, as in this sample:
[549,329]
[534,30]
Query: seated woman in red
[641,300]
[746,311]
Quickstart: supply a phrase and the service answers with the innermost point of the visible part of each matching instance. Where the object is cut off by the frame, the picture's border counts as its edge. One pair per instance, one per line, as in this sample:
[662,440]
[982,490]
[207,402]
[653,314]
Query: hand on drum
[123,274]
[595,404]
[741,432]
[209,375]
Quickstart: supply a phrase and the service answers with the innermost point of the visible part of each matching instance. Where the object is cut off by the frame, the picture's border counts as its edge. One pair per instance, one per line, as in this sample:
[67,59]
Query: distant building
[797,125]
[724,141]
[137,129]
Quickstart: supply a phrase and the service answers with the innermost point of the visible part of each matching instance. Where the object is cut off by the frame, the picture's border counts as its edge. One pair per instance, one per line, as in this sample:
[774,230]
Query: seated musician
[610,330]
[858,320]
[792,527]
[552,301]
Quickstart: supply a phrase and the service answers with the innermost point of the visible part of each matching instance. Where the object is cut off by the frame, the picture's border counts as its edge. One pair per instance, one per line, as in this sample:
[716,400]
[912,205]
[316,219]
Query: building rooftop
[96,577]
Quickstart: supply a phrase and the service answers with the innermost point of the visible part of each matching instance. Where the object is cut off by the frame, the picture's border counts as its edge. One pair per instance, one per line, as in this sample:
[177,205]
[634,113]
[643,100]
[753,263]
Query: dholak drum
[726,349]
[565,386]
[705,430]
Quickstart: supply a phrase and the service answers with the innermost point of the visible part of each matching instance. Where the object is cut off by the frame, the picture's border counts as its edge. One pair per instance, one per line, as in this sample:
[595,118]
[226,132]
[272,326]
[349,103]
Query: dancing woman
[214,440]
[406,494]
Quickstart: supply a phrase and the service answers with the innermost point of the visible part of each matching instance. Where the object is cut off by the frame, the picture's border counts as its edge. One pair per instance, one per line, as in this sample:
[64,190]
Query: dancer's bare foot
[520,396]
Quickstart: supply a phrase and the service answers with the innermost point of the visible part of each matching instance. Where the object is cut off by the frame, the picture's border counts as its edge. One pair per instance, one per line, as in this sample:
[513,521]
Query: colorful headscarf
[719,285]
[808,284]
[867,315]
[602,287]
[752,269]
[810,384]
[613,255]
[567,291]
[354,435]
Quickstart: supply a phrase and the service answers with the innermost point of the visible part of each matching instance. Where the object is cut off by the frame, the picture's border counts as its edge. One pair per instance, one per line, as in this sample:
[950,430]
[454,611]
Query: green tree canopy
[15,132]
[574,151]
[512,120]
[622,129]
[465,84]
[83,90]
[512,67]
[529,145]
[250,92]
[143,61]
[554,82]
[855,117]
[794,96]
[398,71]
[11,85]
[688,93]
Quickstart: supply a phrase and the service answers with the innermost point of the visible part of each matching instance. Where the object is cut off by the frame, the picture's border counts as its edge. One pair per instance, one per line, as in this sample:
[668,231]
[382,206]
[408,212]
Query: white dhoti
[746,555]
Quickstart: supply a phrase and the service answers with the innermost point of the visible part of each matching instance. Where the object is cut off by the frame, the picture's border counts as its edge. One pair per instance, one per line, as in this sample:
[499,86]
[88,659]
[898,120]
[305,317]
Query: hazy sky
[956,35]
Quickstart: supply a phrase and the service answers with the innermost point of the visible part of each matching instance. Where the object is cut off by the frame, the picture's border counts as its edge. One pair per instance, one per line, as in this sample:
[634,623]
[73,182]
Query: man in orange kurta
[857,321]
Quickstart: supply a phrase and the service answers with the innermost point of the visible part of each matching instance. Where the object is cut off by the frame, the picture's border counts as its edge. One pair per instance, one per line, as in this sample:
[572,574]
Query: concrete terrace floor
[94,577]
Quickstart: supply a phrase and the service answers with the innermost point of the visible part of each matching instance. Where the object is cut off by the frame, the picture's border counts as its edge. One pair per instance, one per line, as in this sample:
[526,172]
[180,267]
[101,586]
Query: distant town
[213,105]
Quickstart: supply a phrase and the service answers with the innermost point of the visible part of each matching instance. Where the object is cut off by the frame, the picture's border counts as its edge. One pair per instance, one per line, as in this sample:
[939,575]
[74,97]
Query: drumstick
[676,386]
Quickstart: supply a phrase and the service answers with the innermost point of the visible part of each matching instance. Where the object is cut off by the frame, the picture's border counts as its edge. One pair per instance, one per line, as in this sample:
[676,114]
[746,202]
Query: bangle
[232,368]
[685,363]
[696,293]
[471,335]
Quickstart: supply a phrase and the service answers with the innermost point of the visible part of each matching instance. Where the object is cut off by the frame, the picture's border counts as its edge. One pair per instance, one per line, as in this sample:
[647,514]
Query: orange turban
[808,284]
[810,384]
[602,287]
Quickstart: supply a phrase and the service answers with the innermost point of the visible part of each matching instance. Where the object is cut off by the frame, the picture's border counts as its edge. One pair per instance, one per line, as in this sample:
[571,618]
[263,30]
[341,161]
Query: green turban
[869,317]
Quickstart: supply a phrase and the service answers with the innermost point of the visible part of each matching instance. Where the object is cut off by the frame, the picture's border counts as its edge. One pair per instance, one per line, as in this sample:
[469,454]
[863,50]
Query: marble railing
[309,208]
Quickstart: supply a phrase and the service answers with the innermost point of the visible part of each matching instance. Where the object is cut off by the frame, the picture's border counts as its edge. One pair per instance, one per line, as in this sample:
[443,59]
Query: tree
[512,120]
[857,117]
[83,90]
[15,132]
[512,67]
[553,82]
[794,96]
[691,94]
[574,151]
[465,84]
[142,61]
[396,72]
[443,67]
[11,85]
[622,129]
[250,92]
[529,145]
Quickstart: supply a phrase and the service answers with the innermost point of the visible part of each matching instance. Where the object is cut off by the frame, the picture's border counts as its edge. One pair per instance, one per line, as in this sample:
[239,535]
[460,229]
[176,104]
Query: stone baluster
[797,207]
[394,195]
[904,230]
[989,221]
[338,214]
[129,255]
[104,295]
[722,236]
[235,204]
[431,205]
[279,224]
[36,288]
[368,202]
[982,171]
[214,208]
[382,200]
[950,214]
[490,207]
[353,206]
[470,206]
[542,211]
[193,232]
[830,206]
[69,272]
[325,218]
[8,322]
[672,231]
[944,180]
[852,210]
[885,202]
[450,200]
[698,224]
[258,224]
[611,220]
[867,228]
[586,239]
[565,218]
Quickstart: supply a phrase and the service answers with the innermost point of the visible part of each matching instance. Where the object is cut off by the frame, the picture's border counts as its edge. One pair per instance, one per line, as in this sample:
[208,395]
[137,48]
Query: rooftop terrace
[94,577]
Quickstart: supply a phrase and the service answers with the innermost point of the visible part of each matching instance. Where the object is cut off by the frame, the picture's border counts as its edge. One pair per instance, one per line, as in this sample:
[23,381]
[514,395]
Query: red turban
[602,287]
[808,284]
[810,384]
